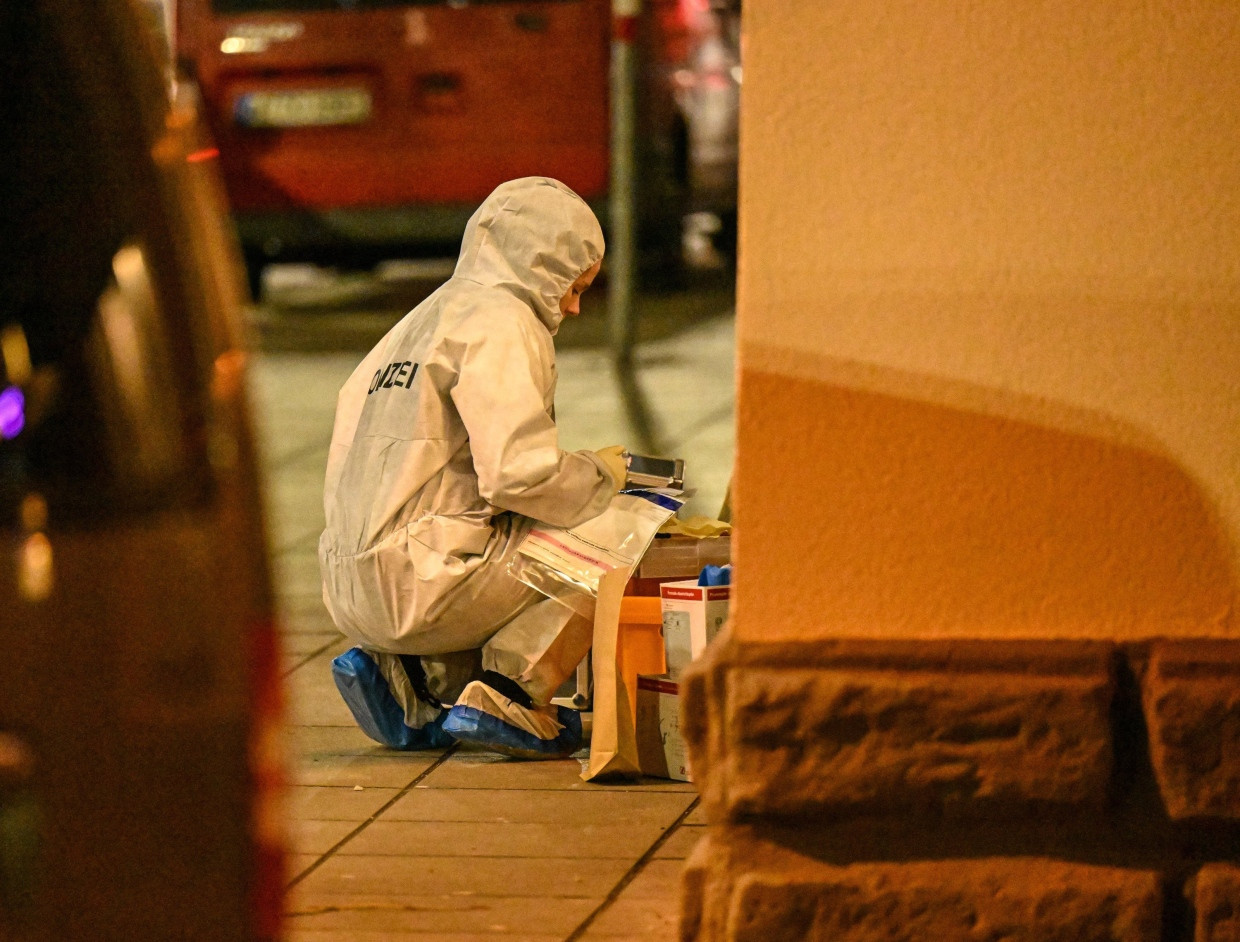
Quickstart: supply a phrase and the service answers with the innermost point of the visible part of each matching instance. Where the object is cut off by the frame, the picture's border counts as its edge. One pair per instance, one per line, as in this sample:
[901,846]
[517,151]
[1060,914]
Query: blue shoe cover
[375,709]
[469,724]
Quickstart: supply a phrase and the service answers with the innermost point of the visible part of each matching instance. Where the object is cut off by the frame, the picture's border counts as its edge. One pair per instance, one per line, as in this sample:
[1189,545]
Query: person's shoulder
[487,312]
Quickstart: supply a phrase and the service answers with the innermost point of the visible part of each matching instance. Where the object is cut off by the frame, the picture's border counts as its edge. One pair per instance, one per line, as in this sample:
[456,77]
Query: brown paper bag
[613,743]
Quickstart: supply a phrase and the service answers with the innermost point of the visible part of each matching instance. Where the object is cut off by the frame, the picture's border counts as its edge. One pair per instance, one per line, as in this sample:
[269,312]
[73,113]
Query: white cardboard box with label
[692,615]
[661,748]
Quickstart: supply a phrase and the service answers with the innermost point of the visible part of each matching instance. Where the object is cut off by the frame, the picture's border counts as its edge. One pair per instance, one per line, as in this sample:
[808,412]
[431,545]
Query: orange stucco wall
[988,310]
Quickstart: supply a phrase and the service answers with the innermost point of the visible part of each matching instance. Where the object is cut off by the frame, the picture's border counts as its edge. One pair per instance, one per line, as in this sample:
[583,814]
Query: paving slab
[681,842]
[636,920]
[657,880]
[548,841]
[313,699]
[336,803]
[536,877]
[313,839]
[567,807]
[387,769]
[471,768]
[526,917]
[351,935]
[303,644]
[328,741]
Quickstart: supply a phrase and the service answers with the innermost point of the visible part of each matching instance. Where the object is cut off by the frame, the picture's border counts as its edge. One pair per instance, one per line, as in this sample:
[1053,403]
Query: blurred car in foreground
[139,691]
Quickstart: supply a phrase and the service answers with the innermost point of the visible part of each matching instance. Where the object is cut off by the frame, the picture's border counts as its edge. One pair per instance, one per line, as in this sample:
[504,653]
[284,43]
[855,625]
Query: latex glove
[613,457]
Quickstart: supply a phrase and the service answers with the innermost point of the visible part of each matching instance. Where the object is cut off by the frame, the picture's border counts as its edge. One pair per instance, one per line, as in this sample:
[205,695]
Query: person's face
[570,304]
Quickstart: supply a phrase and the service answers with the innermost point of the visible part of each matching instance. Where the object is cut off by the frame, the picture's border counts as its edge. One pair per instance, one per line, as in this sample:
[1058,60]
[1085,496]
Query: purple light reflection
[12,412]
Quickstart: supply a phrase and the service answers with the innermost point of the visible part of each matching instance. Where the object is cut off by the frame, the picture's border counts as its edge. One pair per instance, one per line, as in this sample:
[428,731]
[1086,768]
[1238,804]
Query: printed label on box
[692,616]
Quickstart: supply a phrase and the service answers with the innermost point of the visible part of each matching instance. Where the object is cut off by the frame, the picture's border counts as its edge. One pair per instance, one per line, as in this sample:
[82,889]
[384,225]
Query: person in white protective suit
[444,452]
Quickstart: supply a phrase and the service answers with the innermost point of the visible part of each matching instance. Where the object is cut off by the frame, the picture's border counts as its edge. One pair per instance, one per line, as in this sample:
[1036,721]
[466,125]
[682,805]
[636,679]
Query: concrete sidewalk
[462,844]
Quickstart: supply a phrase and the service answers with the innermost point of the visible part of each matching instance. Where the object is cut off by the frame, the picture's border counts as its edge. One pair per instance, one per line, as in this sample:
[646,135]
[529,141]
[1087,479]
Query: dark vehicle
[139,690]
[353,129]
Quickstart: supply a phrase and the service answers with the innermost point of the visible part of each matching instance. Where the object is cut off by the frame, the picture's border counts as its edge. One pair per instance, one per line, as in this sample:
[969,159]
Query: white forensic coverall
[445,450]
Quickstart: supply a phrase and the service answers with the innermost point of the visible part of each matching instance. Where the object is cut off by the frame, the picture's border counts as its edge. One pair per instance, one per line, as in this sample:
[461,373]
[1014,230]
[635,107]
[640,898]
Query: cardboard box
[677,556]
[661,750]
[672,557]
[692,616]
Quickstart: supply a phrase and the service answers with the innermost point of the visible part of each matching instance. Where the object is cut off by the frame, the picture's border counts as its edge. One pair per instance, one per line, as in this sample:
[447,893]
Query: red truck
[353,129]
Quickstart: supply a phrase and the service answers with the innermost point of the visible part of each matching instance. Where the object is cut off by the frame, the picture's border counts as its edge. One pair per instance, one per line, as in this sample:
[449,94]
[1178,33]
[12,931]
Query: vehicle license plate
[299,108]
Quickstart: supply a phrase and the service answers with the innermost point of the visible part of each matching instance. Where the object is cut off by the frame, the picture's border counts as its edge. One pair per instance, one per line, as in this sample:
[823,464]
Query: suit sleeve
[505,370]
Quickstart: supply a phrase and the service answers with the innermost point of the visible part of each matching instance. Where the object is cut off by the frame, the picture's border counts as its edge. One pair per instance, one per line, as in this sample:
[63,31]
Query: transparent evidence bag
[566,563]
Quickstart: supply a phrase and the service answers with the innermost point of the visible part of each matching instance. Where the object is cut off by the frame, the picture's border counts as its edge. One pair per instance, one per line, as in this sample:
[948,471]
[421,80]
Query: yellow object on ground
[700,526]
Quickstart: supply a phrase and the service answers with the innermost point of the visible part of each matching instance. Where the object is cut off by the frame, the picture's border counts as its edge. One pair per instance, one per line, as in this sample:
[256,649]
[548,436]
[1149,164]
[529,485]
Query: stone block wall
[986,387]
[966,790]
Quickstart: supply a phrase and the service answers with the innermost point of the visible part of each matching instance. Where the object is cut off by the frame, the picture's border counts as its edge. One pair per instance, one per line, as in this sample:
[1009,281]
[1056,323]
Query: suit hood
[532,237]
